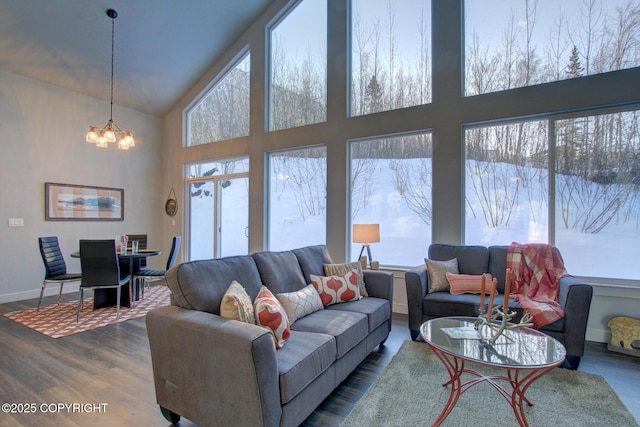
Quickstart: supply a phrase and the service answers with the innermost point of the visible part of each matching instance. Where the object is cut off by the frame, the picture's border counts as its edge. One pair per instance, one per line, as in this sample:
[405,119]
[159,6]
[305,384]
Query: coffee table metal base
[520,378]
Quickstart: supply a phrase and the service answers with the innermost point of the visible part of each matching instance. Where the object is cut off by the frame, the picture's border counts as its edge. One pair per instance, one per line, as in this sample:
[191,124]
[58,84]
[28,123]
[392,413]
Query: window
[218,209]
[224,112]
[298,90]
[523,43]
[390,55]
[595,188]
[507,179]
[297,198]
[391,186]
[597,177]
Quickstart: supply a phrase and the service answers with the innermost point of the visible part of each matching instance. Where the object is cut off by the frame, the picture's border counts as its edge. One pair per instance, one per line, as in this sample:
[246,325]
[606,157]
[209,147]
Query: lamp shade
[366,233]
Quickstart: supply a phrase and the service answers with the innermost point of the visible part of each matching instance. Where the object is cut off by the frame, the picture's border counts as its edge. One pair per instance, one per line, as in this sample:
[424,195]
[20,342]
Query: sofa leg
[172,417]
[571,362]
[414,334]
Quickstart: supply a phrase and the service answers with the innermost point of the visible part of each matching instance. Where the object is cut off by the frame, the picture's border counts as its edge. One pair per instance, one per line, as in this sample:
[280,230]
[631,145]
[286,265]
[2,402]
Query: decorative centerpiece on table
[497,318]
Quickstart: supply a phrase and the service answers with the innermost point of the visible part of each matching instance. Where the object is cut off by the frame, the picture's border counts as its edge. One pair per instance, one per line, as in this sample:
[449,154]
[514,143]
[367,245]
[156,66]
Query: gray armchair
[575,296]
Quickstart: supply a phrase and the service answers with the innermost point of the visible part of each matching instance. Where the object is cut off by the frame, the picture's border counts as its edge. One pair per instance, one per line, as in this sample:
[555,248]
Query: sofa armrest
[575,297]
[379,284]
[416,282]
[209,368]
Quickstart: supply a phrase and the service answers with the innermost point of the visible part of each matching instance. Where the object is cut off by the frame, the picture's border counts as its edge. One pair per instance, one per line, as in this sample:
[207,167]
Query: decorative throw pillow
[335,289]
[271,315]
[236,304]
[338,269]
[437,274]
[469,283]
[300,303]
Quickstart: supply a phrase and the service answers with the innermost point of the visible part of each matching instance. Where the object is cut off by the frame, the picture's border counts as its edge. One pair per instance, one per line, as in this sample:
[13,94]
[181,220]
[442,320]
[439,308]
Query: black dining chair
[55,267]
[100,269]
[148,275]
[142,244]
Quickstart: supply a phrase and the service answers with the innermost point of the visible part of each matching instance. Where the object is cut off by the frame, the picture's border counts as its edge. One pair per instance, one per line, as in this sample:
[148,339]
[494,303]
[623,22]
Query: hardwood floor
[108,371]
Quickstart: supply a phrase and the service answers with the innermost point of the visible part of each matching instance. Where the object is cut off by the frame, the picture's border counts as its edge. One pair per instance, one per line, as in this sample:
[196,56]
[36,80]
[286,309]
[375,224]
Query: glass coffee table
[523,353]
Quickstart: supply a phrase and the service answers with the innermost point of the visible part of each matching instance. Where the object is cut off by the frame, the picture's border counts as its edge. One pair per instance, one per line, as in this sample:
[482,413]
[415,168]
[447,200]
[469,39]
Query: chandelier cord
[113,21]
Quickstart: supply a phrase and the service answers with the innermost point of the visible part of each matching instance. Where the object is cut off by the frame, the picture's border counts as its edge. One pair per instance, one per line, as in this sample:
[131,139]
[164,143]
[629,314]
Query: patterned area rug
[58,321]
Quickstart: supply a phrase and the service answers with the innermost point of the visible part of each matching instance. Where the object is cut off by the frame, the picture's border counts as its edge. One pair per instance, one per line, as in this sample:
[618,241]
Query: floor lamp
[366,234]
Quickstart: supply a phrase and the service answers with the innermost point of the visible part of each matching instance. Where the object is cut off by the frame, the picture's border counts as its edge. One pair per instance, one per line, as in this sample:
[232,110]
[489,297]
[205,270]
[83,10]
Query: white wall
[42,131]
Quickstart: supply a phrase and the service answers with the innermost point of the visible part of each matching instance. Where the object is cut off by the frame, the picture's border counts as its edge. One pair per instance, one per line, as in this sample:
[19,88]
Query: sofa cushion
[378,310]
[270,314]
[312,260]
[348,328]
[471,259]
[441,304]
[236,304]
[336,269]
[300,303]
[306,357]
[337,289]
[280,271]
[200,285]
[437,272]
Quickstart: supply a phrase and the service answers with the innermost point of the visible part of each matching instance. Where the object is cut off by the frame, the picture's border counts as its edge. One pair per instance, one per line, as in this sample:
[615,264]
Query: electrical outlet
[16,222]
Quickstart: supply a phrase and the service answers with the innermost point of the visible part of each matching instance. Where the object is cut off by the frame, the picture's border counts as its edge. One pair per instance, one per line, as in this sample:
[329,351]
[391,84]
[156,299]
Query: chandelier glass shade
[110,132]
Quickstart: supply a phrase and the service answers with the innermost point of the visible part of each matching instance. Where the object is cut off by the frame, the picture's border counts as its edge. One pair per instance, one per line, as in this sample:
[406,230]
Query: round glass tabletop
[520,347]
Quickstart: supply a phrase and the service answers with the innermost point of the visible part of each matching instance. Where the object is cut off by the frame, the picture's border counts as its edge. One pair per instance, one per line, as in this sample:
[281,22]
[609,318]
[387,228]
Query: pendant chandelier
[110,132]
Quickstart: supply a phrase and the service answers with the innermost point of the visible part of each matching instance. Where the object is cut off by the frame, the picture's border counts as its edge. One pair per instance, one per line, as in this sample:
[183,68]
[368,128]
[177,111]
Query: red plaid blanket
[536,270]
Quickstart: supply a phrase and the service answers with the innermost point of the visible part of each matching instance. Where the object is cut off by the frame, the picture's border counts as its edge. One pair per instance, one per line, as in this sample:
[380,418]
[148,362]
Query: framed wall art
[71,202]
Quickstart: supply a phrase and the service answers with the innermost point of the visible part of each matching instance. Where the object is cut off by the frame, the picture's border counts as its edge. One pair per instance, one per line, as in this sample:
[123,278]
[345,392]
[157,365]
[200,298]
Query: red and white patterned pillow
[336,289]
[270,314]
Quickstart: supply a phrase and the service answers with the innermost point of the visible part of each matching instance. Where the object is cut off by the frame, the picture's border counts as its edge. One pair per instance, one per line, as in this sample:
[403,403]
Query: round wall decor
[171,207]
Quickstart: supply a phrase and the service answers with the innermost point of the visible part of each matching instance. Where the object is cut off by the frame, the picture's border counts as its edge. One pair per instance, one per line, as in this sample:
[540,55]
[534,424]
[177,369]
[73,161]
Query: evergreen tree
[575,68]
[373,96]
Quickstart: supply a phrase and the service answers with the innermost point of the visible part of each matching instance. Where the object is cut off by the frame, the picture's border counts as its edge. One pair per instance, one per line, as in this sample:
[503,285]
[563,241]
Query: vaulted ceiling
[162,47]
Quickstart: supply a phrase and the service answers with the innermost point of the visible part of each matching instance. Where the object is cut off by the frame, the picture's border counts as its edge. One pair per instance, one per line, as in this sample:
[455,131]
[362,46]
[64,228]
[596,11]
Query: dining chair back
[149,275]
[175,248]
[100,269]
[142,240]
[54,265]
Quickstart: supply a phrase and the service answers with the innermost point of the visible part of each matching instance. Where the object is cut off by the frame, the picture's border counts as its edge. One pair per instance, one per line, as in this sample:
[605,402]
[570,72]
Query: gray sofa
[575,296]
[216,371]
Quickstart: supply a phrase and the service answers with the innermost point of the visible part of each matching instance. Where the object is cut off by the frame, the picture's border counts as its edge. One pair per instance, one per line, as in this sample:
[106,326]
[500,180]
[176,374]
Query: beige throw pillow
[340,269]
[236,304]
[437,272]
[300,303]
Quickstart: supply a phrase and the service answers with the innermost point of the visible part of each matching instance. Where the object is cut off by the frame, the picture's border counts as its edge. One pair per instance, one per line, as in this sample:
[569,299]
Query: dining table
[128,260]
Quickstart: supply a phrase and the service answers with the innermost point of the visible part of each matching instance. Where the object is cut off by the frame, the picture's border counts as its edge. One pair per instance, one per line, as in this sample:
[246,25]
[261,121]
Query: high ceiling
[162,47]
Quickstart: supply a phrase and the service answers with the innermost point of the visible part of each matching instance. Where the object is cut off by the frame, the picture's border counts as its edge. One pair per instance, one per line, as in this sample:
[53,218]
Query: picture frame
[72,202]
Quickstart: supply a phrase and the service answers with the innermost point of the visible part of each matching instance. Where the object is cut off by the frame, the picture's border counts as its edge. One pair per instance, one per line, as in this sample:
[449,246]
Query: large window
[224,112]
[297,198]
[298,89]
[598,194]
[595,189]
[525,42]
[507,183]
[390,55]
[391,186]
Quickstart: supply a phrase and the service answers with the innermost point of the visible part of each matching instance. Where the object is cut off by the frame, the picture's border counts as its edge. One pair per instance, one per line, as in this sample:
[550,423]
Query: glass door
[233,228]
[218,217]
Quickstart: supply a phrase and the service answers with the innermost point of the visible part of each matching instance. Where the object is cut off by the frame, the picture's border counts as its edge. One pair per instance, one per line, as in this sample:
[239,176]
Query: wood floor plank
[112,365]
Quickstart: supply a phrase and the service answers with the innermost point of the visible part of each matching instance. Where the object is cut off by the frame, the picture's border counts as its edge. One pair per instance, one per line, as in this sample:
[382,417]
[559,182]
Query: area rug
[58,321]
[409,392]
